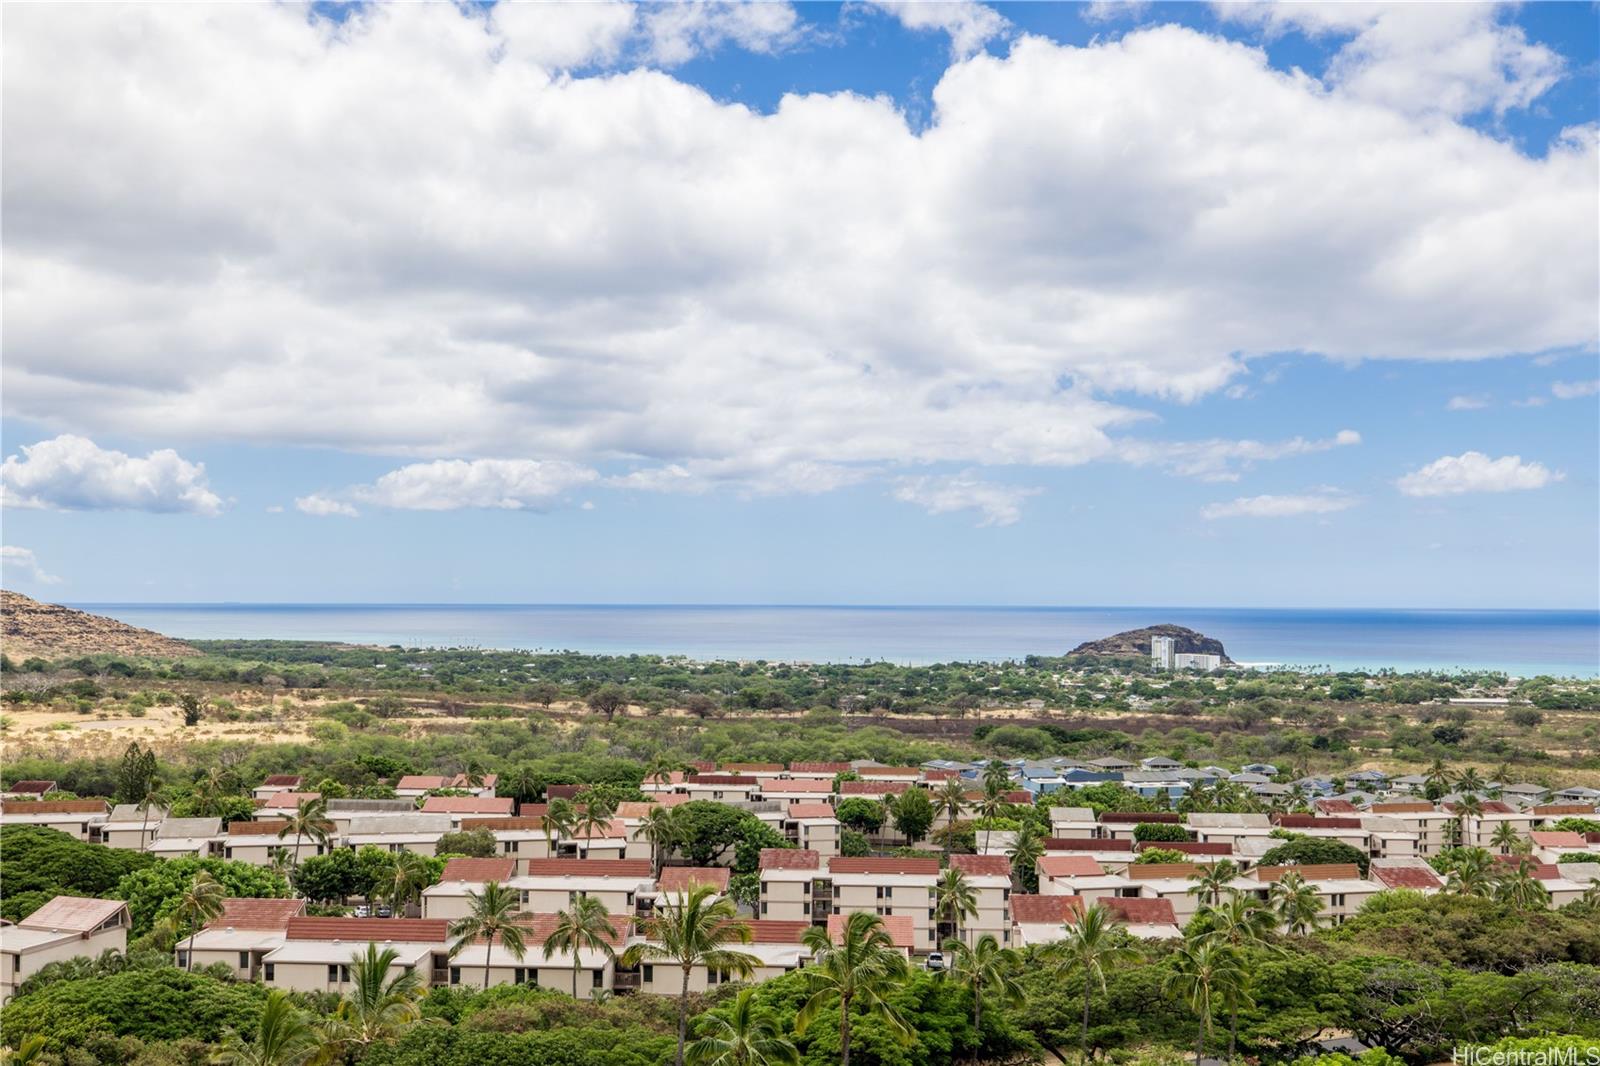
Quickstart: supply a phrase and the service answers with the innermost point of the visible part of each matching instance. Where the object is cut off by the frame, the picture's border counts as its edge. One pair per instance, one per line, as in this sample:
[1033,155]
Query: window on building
[511,847]
[244,960]
[649,973]
[183,958]
[763,908]
[765,888]
[455,975]
[599,979]
[271,972]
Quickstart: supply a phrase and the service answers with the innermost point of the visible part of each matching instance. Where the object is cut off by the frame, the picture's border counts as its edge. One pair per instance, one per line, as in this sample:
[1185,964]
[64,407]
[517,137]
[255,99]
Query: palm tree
[950,800]
[1468,806]
[989,807]
[378,1007]
[954,898]
[1471,873]
[491,913]
[996,777]
[283,1037]
[1437,778]
[1505,838]
[1297,903]
[593,817]
[660,828]
[1093,944]
[214,784]
[407,875]
[983,967]
[1203,969]
[1210,882]
[154,796]
[862,968]
[692,930]
[1469,781]
[740,1039]
[586,924]
[1240,921]
[556,821]
[200,902]
[25,1053]
[310,819]
[1027,848]
[1521,889]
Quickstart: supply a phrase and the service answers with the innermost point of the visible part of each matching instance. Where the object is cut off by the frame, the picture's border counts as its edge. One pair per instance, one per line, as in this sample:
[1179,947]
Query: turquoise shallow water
[1519,642]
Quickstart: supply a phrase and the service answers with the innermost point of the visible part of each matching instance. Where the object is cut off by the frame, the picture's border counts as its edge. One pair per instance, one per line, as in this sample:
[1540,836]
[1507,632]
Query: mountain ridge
[30,629]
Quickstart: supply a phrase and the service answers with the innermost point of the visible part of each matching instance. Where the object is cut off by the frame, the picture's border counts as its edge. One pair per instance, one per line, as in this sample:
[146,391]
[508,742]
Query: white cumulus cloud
[1467,403]
[996,504]
[1453,475]
[324,506]
[24,561]
[1325,501]
[970,25]
[1221,460]
[72,473]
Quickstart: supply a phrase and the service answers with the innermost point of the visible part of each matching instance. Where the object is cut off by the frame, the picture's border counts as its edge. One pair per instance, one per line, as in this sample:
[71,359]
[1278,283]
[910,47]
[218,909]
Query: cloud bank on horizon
[523,253]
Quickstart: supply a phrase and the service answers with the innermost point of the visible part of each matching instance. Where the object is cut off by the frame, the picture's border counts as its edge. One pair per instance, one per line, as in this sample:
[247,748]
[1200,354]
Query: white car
[935,960]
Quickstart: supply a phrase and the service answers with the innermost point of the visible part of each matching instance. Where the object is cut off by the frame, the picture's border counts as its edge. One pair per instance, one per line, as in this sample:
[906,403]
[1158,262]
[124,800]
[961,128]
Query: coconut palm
[153,797]
[1521,889]
[1466,807]
[1437,777]
[954,898]
[310,819]
[692,930]
[991,805]
[209,790]
[593,817]
[1203,970]
[1095,945]
[199,903]
[1297,903]
[1027,848]
[1210,882]
[586,924]
[491,913]
[379,1006]
[984,967]
[996,776]
[1506,838]
[950,800]
[556,821]
[404,879]
[861,969]
[1471,873]
[25,1053]
[740,1038]
[1469,780]
[1239,921]
[283,1037]
[660,828]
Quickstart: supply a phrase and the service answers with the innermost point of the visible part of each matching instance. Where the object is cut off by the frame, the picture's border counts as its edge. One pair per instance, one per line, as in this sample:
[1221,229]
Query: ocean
[1522,643]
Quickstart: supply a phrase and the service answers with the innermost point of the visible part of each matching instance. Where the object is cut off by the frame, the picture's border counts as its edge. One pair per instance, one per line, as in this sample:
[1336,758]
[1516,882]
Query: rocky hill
[1135,643]
[49,631]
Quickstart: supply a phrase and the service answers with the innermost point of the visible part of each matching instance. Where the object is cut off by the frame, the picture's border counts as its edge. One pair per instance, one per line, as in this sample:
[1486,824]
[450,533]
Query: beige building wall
[17,966]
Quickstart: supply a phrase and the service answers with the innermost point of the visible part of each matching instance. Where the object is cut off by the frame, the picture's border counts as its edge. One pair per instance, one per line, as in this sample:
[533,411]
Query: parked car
[362,911]
[935,960]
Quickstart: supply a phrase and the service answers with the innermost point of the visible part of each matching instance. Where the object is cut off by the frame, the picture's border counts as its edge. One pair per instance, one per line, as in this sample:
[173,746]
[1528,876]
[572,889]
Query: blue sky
[1020,304]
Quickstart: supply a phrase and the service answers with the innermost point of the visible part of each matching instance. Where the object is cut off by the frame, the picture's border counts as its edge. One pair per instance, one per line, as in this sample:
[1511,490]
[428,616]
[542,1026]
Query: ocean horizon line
[682,605]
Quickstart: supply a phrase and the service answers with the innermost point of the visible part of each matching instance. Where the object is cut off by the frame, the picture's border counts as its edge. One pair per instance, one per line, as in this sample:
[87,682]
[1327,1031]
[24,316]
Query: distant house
[1111,762]
[1260,768]
[79,818]
[1160,762]
[242,935]
[277,783]
[317,953]
[68,927]
[28,790]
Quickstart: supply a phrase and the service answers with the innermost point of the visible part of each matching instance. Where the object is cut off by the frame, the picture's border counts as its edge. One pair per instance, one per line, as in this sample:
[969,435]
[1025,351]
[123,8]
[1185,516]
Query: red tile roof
[40,787]
[1141,911]
[479,871]
[420,781]
[1018,796]
[282,781]
[752,767]
[1087,844]
[1312,821]
[982,865]
[1335,806]
[247,913]
[287,801]
[538,927]
[810,810]
[790,859]
[268,827]
[726,780]
[1487,807]
[1070,866]
[73,914]
[525,822]
[1558,838]
[1053,910]
[683,878]
[80,806]
[818,767]
[631,868]
[468,805]
[940,775]
[1141,817]
[566,792]
[810,786]
[374,930]
[1559,809]
[869,773]
[887,865]
[1400,808]
[1417,877]
[1152,871]
[902,931]
[873,788]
